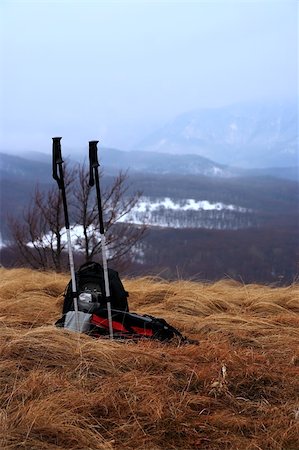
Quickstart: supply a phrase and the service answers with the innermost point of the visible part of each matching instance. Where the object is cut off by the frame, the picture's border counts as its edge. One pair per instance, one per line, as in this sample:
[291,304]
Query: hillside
[247,135]
[237,202]
[235,390]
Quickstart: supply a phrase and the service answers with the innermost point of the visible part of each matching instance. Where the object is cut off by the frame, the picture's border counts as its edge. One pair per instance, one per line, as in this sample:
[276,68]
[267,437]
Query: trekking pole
[57,162]
[94,177]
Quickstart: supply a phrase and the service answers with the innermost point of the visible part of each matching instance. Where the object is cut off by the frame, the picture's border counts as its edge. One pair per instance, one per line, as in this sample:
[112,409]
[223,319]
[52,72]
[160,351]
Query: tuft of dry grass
[238,389]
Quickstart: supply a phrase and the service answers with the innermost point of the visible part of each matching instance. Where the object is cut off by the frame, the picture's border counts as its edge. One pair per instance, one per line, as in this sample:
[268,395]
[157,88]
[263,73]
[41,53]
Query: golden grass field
[237,389]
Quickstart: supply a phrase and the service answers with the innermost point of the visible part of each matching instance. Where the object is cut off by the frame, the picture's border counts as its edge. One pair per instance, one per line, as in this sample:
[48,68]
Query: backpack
[91,290]
[93,314]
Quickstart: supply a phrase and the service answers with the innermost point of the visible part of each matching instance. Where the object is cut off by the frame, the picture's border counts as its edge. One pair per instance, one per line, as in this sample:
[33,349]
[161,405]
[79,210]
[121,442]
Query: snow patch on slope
[164,212]
[145,205]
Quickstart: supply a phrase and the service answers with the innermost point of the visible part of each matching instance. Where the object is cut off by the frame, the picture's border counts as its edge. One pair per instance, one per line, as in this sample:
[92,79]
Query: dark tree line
[262,255]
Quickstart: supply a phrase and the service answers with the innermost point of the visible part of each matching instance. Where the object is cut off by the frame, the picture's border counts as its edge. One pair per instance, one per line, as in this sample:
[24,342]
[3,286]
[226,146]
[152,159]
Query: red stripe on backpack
[96,320]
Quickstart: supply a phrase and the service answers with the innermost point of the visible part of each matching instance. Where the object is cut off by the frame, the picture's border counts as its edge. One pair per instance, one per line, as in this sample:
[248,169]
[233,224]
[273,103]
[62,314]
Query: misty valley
[207,227]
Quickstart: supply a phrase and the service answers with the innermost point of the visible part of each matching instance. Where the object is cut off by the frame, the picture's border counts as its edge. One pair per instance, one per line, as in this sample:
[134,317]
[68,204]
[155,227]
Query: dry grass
[238,389]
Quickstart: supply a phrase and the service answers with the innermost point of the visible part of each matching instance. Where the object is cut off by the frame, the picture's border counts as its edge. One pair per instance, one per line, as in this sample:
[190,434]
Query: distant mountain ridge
[162,163]
[23,168]
[245,135]
[189,164]
[37,165]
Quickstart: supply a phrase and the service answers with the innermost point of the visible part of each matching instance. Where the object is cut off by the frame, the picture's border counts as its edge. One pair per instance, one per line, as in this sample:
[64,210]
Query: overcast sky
[117,70]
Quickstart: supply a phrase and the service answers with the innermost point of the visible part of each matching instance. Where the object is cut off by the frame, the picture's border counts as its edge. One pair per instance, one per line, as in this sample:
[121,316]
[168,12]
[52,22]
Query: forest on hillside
[263,255]
[258,244]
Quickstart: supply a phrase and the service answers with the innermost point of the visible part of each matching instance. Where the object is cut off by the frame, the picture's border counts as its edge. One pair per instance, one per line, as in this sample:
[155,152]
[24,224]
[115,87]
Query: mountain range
[219,192]
[247,135]
[184,179]
[113,160]
[245,139]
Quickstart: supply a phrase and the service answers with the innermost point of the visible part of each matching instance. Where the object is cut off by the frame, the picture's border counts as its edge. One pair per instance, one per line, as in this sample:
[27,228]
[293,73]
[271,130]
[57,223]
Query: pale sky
[117,70]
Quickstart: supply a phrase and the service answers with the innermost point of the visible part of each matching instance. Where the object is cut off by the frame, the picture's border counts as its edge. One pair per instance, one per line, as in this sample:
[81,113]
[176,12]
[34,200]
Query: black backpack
[91,290]
[126,325]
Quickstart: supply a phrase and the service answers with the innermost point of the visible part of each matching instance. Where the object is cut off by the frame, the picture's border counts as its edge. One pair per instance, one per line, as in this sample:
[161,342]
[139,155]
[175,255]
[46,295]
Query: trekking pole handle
[93,153]
[93,160]
[56,159]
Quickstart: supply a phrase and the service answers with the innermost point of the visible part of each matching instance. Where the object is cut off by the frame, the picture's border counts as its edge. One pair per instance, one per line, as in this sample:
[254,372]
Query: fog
[118,70]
